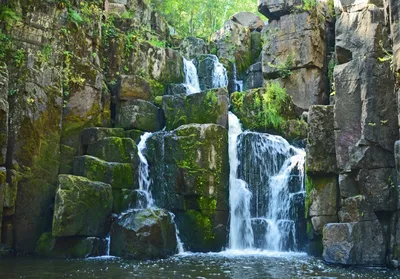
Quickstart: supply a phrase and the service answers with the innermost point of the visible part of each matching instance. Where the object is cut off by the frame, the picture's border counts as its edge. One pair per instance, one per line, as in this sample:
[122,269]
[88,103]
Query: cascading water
[266,190]
[219,77]
[191,77]
[144,177]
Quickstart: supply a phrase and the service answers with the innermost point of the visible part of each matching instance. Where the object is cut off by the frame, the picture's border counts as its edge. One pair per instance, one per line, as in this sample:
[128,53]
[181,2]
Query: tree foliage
[200,17]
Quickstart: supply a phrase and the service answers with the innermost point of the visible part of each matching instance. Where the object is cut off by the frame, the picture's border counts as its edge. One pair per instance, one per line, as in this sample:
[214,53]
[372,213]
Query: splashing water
[220,76]
[144,177]
[266,190]
[191,77]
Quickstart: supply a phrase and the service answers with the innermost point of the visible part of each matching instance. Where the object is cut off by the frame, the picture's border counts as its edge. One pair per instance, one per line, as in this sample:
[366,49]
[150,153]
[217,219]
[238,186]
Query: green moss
[157,88]
[203,227]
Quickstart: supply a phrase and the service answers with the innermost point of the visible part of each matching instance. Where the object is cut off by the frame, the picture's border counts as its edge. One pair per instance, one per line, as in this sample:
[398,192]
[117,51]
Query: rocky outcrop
[249,20]
[274,9]
[200,108]
[189,171]
[191,47]
[144,234]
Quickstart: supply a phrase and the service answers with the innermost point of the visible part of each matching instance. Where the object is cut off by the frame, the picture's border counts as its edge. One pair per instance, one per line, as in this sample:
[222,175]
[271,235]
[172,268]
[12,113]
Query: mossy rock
[134,134]
[124,199]
[90,135]
[70,247]
[67,158]
[118,175]
[113,149]
[144,235]
[82,207]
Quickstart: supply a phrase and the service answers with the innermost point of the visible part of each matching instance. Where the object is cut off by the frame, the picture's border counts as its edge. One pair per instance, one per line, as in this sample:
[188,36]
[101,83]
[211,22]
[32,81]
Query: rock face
[274,9]
[395,22]
[82,207]
[144,234]
[189,170]
[191,47]
[249,20]
[254,77]
[201,108]
[209,70]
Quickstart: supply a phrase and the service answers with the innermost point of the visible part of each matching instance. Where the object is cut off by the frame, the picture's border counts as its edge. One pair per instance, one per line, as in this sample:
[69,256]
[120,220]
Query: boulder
[360,243]
[140,115]
[348,185]
[134,87]
[176,89]
[356,209]
[319,222]
[191,47]
[211,72]
[254,77]
[233,43]
[350,6]
[321,155]
[70,247]
[144,235]
[200,108]
[134,134]
[82,207]
[274,9]
[323,196]
[113,149]
[125,199]
[118,175]
[90,135]
[249,20]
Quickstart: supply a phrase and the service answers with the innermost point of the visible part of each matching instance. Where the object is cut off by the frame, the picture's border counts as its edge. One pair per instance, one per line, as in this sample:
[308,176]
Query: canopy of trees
[201,17]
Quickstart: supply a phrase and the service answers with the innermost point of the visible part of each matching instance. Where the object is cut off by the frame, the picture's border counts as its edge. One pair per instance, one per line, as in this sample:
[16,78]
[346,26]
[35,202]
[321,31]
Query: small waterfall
[179,247]
[219,77]
[266,190]
[144,177]
[191,77]
[241,232]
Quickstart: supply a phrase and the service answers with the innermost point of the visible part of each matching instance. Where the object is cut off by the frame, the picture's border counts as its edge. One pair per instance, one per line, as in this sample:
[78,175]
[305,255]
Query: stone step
[115,149]
[118,175]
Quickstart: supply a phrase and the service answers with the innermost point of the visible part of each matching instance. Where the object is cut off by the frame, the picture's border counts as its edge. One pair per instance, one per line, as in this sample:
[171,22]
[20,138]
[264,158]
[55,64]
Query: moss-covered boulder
[134,134]
[144,235]
[189,171]
[200,108]
[118,175]
[113,149]
[82,207]
[70,247]
[269,109]
[134,87]
[125,199]
[140,115]
[90,135]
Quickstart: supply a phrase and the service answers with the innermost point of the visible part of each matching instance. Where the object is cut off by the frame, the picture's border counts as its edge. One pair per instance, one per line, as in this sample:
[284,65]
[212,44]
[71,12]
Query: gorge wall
[82,81]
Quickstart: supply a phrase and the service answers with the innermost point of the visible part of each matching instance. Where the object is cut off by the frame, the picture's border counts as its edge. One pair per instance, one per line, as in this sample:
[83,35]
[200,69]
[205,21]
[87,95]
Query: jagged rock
[189,170]
[208,67]
[144,235]
[200,108]
[70,247]
[82,207]
[233,43]
[355,243]
[296,41]
[176,89]
[113,149]
[191,47]
[365,116]
[350,44]
[141,115]
[249,20]
[356,209]
[321,155]
[118,175]
[274,9]
[124,199]
[319,222]
[350,6]
[254,77]
[134,87]
[348,186]
[322,193]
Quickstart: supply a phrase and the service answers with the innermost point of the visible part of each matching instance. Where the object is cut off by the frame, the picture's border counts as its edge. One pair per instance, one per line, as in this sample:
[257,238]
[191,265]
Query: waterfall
[241,232]
[266,190]
[220,76]
[191,77]
[144,177]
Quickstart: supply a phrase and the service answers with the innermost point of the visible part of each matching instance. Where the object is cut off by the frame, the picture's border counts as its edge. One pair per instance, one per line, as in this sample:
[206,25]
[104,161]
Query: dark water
[222,265]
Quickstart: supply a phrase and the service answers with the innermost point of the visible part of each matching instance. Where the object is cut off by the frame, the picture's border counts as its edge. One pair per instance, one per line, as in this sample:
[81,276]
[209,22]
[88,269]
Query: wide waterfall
[191,77]
[266,191]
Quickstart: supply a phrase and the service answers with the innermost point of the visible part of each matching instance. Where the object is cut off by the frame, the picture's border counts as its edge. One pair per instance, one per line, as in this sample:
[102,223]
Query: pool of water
[238,265]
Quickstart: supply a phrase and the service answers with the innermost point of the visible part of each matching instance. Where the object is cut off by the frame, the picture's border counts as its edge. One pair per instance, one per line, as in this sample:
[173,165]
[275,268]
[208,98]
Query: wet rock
[70,247]
[249,20]
[208,67]
[360,243]
[274,9]
[200,108]
[191,47]
[233,43]
[134,134]
[144,235]
[82,207]
[254,77]
[321,155]
[118,175]
[113,149]
[140,115]
[124,199]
